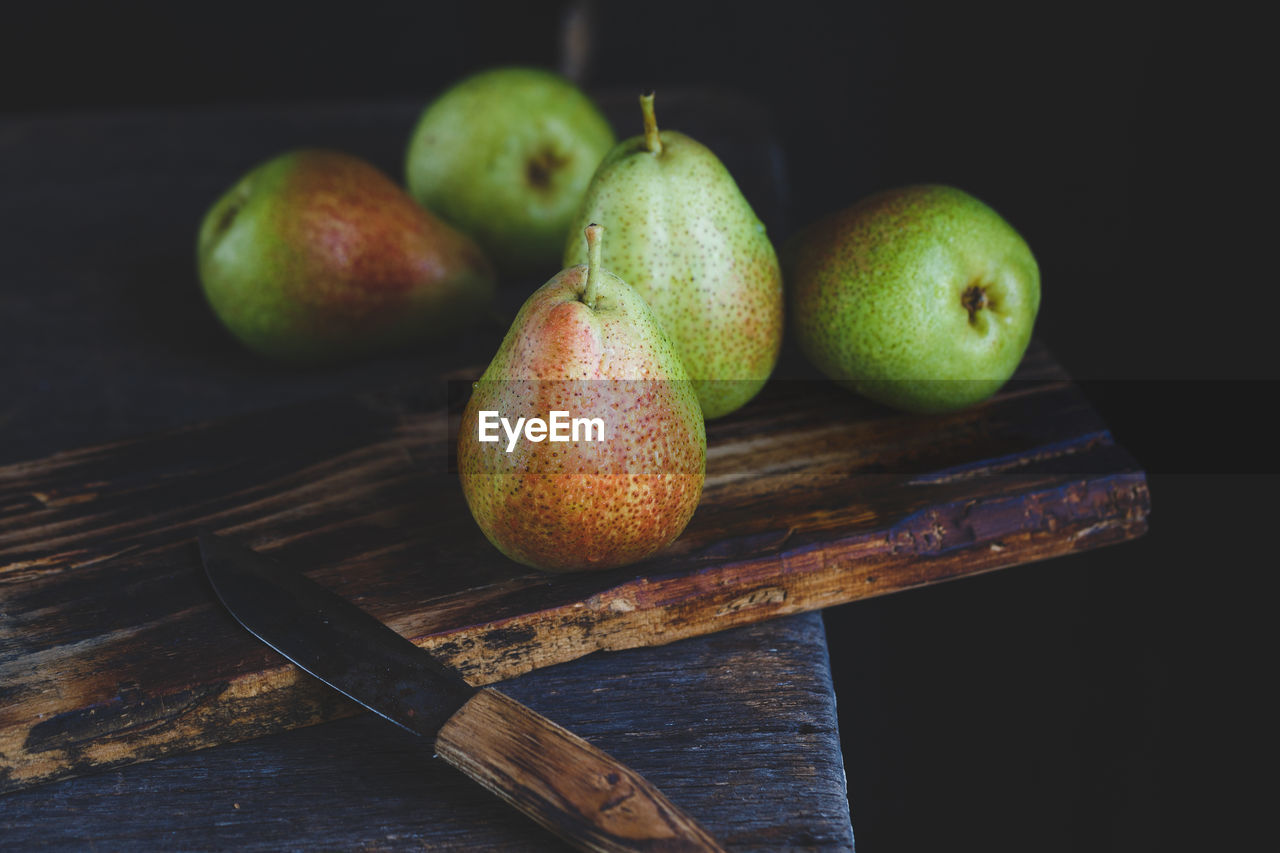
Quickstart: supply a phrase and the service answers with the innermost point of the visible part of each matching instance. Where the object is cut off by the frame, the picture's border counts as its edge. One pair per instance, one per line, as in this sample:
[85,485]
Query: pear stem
[651,139]
[594,267]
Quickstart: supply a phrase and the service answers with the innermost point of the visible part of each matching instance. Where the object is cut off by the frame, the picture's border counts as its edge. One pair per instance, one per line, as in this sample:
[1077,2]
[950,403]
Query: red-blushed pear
[317,256]
[922,298]
[682,234]
[626,474]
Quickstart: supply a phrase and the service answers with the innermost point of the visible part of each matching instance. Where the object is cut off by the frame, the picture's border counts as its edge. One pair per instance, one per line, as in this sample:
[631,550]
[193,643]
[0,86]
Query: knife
[552,775]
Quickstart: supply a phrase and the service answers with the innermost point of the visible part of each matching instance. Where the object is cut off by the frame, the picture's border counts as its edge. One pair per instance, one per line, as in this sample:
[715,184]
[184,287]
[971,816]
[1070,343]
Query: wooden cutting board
[113,648]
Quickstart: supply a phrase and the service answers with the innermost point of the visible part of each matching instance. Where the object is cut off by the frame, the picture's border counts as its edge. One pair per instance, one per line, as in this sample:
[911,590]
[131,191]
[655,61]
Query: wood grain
[113,650]
[738,727]
[562,782]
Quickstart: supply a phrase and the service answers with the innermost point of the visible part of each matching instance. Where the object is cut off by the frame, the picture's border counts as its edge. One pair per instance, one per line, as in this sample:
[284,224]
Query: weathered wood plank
[753,703]
[112,649]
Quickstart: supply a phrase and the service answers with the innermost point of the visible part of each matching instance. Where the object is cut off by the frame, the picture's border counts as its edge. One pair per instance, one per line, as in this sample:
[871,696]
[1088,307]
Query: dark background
[1095,701]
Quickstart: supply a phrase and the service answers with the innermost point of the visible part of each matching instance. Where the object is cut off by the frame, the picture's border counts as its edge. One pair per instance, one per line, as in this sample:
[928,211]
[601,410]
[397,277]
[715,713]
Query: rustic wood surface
[739,729]
[111,650]
[115,649]
[106,337]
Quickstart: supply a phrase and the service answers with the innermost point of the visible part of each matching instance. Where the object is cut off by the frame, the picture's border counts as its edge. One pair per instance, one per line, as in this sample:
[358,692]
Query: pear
[505,156]
[317,256]
[584,345]
[681,234]
[922,298]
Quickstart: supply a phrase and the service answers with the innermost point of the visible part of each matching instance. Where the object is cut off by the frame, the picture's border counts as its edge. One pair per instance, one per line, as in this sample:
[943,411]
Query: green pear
[317,256]
[922,298]
[587,346]
[682,235]
[505,156]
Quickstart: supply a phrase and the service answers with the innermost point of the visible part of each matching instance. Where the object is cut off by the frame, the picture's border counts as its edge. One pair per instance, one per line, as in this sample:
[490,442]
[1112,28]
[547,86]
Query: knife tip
[206,539]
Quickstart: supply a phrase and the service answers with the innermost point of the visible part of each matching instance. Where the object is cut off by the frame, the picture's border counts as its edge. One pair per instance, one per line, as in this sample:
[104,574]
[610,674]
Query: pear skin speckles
[682,235]
[581,505]
[922,298]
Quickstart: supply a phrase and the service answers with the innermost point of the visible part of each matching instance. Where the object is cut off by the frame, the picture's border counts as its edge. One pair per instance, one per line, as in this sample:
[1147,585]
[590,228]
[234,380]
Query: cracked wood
[113,649]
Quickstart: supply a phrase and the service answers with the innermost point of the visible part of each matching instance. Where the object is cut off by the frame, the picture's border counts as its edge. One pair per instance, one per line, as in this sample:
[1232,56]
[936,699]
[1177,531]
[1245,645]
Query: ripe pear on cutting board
[921,297]
[682,234]
[585,344]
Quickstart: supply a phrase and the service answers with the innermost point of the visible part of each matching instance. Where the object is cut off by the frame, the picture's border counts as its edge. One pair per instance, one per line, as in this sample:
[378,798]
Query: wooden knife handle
[561,781]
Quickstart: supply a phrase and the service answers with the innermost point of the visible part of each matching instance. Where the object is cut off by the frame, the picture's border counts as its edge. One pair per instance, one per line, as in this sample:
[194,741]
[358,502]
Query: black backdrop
[1059,707]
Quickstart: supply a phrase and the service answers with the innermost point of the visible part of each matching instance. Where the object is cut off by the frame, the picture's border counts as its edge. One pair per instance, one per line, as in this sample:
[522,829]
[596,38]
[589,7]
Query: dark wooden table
[739,728]
[105,336]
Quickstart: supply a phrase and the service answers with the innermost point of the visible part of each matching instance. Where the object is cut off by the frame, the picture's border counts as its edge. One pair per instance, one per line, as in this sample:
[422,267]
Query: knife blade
[555,777]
